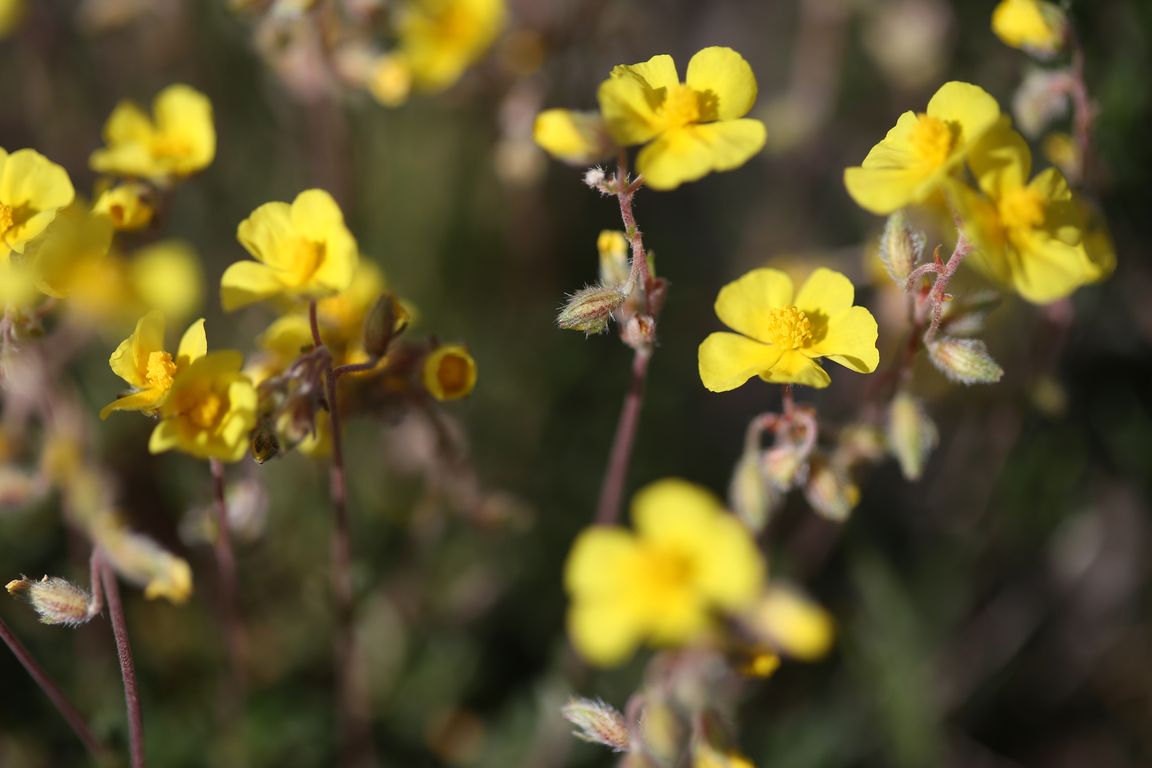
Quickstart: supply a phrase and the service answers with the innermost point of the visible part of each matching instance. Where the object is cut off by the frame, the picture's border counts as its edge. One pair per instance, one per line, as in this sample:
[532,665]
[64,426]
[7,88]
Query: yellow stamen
[160,370]
[206,412]
[1021,209]
[789,328]
[681,107]
[6,221]
[932,140]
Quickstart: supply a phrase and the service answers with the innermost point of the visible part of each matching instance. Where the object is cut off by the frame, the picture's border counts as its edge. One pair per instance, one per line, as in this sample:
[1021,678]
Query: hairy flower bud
[590,309]
[752,497]
[830,492]
[911,434]
[965,361]
[901,249]
[598,723]
[785,466]
[55,600]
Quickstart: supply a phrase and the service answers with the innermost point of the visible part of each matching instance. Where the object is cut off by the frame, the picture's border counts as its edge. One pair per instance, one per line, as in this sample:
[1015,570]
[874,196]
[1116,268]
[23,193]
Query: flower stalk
[127,667]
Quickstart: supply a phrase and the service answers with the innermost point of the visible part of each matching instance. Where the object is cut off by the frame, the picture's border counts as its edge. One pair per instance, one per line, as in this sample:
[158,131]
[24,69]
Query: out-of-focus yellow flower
[342,316]
[179,139]
[11,14]
[920,154]
[1029,24]
[209,411]
[69,261]
[390,79]
[577,138]
[166,275]
[142,362]
[18,292]
[1028,234]
[32,190]
[449,372]
[303,250]
[706,756]
[690,129]
[129,206]
[688,558]
[143,562]
[784,336]
[439,39]
[792,623]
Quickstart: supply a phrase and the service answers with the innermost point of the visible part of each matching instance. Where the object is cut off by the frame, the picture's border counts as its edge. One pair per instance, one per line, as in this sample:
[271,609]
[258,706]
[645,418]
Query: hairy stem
[127,668]
[74,719]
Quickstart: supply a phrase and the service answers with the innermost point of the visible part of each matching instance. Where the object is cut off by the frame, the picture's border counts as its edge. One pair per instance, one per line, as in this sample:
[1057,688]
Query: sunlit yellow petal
[825,293]
[1001,161]
[727,360]
[727,81]
[247,282]
[794,367]
[689,153]
[743,305]
[967,107]
[193,345]
[604,632]
[626,102]
[850,340]
[658,72]
[579,138]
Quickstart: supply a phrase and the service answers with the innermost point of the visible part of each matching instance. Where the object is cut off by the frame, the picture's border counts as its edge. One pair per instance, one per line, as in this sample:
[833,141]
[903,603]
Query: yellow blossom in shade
[1029,24]
[142,362]
[167,276]
[449,372]
[783,337]
[303,250]
[128,206]
[439,39]
[209,411]
[792,623]
[921,153]
[688,559]
[689,129]
[1028,234]
[577,138]
[32,190]
[179,139]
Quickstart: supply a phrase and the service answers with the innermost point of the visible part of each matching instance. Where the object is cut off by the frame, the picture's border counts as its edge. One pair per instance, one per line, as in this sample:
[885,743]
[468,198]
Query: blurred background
[997,613]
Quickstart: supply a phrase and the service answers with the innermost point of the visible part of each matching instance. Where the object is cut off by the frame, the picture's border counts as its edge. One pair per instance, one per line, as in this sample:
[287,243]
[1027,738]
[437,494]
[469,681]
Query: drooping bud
[829,491]
[55,600]
[793,624]
[385,321]
[142,561]
[965,361]
[785,466]
[911,434]
[613,247]
[598,723]
[590,309]
[752,497]
[576,138]
[901,249]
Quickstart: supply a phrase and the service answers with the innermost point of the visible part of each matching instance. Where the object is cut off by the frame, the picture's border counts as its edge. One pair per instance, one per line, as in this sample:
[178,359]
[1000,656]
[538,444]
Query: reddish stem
[127,668]
[226,575]
[612,488]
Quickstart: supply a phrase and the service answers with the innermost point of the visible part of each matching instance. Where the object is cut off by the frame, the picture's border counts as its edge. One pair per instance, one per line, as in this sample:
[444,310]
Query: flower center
[6,221]
[681,107]
[1021,209]
[932,140]
[303,260]
[453,374]
[662,575]
[789,328]
[206,412]
[169,146]
[160,370]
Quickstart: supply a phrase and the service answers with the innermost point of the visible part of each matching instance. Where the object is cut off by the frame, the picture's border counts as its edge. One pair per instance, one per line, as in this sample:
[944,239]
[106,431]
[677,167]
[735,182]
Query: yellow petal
[184,118]
[1048,269]
[193,345]
[605,632]
[732,574]
[658,72]
[165,437]
[728,360]
[30,179]
[315,215]
[579,138]
[673,510]
[726,79]
[825,293]
[691,152]
[130,359]
[626,102]
[794,367]
[1001,161]
[167,275]
[597,560]
[247,282]
[743,305]
[268,234]
[850,340]
[968,107]
[145,400]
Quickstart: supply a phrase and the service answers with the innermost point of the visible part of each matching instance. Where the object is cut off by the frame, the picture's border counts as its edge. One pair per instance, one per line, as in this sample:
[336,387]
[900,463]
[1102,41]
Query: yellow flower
[342,316]
[302,250]
[11,14]
[1028,234]
[72,253]
[32,190]
[1029,24]
[577,138]
[166,275]
[663,584]
[784,336]
[143,562]
[690,129]
[209,411]
[439,39]
[129,206]
[920,154]
[179,138]
[449,372]
[142,362]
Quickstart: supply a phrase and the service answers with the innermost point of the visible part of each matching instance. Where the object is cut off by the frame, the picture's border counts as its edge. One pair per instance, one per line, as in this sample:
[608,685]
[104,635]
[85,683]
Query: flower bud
[613,247]
[752,497]
[576,138]
[590,309]
[598,723]
[55,600]
[639,332]
[790,622]
[965,361]
[129,206]
[829,491]
[911,434]
[785,466]
[901,249]
[385,321]
[449,372]
[142,561]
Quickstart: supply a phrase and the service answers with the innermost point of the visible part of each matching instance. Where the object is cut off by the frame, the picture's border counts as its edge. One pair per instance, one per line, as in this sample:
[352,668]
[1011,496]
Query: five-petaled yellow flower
[142,361]
[784,336]
[209,411]
[689,129]
[688,560]
[179,139]
[439,39]
[1030,24]
[921,153]
[32,190]
[1028,234]
[302,251]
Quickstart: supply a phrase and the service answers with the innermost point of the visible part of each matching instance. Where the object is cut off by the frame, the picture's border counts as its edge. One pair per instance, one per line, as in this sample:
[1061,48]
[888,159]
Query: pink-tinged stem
[71,716]
[226,576]
[1082,103]
[127,668]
